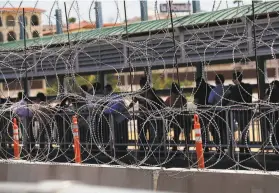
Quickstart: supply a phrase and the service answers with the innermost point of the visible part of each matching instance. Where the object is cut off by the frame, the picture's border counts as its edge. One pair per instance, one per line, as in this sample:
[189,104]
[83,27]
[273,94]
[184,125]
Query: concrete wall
[174,180]
[215,181]
[94,175]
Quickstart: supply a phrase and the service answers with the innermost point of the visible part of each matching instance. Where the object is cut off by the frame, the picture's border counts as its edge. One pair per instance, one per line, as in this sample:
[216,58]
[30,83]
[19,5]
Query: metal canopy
[102,49]
[146,26]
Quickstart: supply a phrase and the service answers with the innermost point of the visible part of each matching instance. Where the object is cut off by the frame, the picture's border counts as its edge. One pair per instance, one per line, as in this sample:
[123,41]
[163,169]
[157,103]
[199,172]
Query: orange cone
[198,139]
[16,139]
[76,140]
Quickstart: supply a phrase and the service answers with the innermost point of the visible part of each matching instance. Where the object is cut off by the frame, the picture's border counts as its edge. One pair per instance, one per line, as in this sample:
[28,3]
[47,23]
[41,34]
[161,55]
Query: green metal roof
[146,26]
[227,14]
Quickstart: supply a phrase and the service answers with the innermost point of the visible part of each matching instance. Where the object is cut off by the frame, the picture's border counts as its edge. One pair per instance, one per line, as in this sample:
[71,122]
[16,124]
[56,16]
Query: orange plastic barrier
[16,139]
[76,140]
[198,139]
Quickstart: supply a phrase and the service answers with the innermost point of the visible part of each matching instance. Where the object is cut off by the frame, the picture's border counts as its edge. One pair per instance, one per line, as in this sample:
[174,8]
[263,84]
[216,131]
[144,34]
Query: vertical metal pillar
[262,73]
[61,84]
[196,6]
[26,87]
[21,27]
[199,70]
[143,10]
[99,14]
[101,78]
[177,73]
[58,16]
[99,24]
[260,62]
[144,17]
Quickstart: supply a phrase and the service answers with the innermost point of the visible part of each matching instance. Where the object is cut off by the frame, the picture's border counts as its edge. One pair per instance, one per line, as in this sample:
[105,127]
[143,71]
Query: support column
[262,73]
[26,87]
[148,74]
[61,85]
[143,10]
[101,78]
[21,27]
[99,14]
[196,6]
[59,23]
[199,70]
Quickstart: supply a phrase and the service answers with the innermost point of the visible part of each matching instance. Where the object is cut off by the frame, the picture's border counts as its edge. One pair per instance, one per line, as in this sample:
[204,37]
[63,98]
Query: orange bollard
[76,140]
[198,139]
[16,139]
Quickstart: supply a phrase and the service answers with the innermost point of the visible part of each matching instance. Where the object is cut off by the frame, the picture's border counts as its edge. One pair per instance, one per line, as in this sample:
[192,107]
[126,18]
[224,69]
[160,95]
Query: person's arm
[211,97]
[114,108]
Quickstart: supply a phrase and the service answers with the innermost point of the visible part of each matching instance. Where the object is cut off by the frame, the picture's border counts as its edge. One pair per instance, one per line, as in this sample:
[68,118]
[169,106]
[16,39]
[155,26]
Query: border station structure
[202,38]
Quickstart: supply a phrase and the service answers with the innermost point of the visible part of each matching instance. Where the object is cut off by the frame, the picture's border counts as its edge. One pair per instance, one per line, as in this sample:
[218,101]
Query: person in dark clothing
[202,92]
[40,97]
[201,96]
[272,93]
[179,121]
[149,109]
[176,99]
[219,125]
[19,96]
[241,94]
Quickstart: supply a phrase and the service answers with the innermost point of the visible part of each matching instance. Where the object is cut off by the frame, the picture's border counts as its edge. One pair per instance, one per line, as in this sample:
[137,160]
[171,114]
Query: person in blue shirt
[24,114]
[218,126]
[21,107]
[217,93]
[119,117]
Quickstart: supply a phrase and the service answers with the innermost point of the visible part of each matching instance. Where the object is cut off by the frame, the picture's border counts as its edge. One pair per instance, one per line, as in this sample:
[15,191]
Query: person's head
[175,88]
[219,79]
[40,97]
[275,84]
[108,89]
[143,81]
[19,96]
[237,77]
[97,87]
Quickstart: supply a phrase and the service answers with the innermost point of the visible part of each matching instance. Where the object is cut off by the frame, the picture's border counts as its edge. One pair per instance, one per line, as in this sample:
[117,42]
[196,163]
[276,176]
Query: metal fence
[231,129]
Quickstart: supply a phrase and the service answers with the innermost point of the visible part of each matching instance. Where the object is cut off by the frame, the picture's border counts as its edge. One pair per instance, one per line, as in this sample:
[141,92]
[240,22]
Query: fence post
[164,126]
[233,143]
[112,135]
[198,139]
[229,128]
[76,140]
[16,139]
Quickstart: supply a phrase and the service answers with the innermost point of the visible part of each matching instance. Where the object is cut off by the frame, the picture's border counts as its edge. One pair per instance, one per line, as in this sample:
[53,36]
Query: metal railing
[232,129]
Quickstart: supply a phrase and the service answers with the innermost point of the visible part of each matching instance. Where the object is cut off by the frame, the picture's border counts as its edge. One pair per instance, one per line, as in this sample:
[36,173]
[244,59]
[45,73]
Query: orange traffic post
[198,139]
[16,139]
[76,140]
